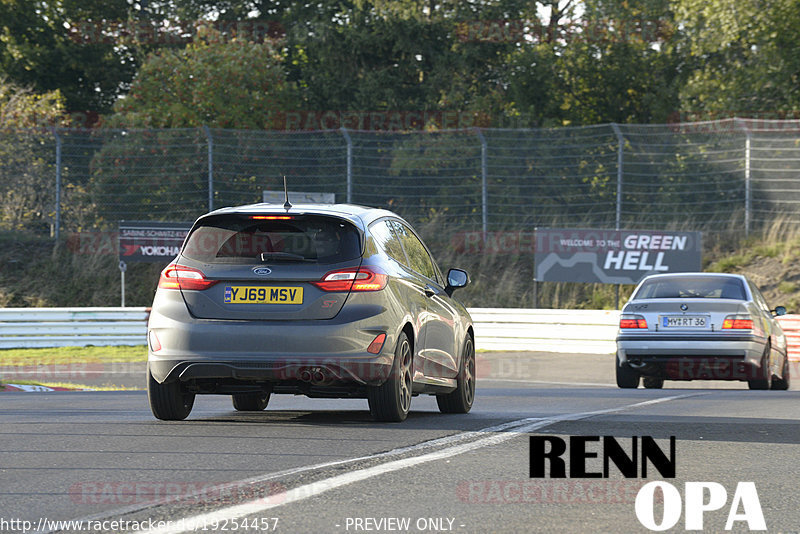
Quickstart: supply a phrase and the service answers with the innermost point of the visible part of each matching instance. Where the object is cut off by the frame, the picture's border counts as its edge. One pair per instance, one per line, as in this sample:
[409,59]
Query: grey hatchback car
[700,326]
[329,301]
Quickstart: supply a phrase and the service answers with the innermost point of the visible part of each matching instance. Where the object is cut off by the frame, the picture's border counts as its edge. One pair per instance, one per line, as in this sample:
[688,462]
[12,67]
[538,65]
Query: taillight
[357,279]
[632,321]
[181,277]
[733,322]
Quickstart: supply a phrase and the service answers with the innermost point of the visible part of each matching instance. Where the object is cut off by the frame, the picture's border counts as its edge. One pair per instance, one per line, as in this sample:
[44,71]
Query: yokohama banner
[611,256]
[153,242]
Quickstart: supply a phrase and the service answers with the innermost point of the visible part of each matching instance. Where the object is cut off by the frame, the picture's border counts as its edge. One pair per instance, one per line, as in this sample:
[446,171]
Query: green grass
[66,355]
[770,251]
[71,355]
[731,263]
[787,287]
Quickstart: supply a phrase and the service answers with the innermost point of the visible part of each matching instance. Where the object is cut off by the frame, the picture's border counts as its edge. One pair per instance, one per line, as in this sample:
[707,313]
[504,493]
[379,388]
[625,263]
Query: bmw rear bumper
[730,357]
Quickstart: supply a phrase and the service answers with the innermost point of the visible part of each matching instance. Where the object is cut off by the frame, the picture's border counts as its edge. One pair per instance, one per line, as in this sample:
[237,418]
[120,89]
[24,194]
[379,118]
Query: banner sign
[611,256]
[153,242]
[298,197]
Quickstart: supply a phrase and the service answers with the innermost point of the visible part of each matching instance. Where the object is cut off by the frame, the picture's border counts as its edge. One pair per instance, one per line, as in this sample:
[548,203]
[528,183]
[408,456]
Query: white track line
[515,428]
[220,488]
[548,382]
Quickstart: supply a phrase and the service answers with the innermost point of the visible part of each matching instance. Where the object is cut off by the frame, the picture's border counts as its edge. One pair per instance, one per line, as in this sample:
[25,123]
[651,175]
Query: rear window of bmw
[692,287]
[274,238]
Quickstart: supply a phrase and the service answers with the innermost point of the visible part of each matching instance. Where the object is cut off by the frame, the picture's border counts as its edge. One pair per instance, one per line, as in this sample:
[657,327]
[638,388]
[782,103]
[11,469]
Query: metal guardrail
[544,330]
[72,327]
[497,329]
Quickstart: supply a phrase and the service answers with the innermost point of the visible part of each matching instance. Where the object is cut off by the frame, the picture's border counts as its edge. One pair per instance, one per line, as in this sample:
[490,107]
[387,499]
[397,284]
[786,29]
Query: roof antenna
[286,205]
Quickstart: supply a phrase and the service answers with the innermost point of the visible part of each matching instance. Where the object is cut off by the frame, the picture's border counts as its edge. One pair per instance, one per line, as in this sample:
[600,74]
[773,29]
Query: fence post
[748,199]
[747,186]
[210,168]
[349,164]
[484,183]
[56,232]
[748,191]
[620,148]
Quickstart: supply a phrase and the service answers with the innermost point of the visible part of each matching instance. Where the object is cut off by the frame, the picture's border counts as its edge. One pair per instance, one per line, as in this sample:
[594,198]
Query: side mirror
[456,278]
[779,310]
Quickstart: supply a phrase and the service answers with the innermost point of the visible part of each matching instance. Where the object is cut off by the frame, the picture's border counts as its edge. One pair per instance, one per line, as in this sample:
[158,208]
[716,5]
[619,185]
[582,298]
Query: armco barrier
[76,327]
[497,329]
[576,331]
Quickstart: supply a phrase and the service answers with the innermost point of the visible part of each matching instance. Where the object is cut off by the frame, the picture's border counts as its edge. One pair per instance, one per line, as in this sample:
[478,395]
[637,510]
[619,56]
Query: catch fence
[733,174]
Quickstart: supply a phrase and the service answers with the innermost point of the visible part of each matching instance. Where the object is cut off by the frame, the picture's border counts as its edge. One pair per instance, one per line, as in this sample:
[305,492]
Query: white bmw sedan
[700,326]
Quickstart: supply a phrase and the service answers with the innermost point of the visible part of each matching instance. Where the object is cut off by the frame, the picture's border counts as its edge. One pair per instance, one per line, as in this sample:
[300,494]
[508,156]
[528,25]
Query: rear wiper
[282,256]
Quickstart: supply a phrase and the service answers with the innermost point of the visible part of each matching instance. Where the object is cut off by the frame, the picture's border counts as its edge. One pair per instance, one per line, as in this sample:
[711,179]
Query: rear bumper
[276,351]
[314,370]
[737,357]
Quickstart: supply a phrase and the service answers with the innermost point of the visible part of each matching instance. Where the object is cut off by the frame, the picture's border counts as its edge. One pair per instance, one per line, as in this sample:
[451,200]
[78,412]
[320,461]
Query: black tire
[651,382]
[168,402]
[391,401]
[460,400]
[764,380]
[250,402]
[627,377]
[784,381]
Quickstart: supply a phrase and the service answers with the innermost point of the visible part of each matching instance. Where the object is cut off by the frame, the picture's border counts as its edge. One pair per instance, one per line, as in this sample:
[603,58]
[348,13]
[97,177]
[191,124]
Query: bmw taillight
[632,321]
[182,277]
[737,322]
[356,279]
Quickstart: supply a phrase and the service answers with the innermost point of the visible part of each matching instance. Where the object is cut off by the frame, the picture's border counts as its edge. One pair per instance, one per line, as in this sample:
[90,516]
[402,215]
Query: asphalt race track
[319,466]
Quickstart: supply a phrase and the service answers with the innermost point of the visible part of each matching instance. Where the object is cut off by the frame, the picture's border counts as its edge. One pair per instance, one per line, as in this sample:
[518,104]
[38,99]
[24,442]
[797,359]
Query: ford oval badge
[262,271]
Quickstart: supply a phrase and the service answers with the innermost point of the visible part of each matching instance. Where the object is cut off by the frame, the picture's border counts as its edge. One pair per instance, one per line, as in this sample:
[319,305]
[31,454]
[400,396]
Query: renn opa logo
[586,461]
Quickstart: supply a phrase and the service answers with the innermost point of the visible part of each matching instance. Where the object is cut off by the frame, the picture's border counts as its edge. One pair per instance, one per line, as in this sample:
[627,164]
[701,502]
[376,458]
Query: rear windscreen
[692,287]
[248,238]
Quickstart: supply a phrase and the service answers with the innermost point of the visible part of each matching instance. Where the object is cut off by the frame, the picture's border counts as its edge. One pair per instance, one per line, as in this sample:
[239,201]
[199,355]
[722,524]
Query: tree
[742,57]
[609,63]
[21,107]
[213,81]
[27,176]
[53,45]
